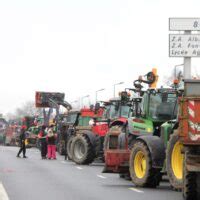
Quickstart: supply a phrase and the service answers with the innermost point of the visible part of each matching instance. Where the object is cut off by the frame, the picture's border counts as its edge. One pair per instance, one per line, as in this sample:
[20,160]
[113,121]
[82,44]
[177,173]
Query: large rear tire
[68,147]
[191,184]
[174,162]
[82,150]
[140,166]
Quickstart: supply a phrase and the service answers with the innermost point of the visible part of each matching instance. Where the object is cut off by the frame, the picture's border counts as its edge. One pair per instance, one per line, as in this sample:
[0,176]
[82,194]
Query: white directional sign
[184,24]
[181,45]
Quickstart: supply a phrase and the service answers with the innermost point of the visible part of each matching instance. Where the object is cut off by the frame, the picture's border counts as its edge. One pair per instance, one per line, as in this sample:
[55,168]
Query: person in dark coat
[43,142]
[22,139]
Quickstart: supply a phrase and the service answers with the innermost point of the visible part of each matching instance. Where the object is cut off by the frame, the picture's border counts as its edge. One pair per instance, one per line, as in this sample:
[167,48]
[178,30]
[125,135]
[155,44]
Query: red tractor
[86,135]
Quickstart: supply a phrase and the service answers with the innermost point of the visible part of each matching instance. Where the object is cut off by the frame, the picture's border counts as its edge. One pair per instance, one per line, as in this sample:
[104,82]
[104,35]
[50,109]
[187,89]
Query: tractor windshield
[109,112]
[163,106]
[71,118]
[125,111]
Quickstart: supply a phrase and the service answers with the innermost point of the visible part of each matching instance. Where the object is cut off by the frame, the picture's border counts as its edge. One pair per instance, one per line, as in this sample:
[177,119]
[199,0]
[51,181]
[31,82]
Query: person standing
[51,141]
[43,142]
[22,144]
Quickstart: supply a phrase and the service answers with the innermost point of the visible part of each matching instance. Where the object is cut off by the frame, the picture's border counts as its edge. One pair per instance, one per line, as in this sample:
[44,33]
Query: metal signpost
[185,45]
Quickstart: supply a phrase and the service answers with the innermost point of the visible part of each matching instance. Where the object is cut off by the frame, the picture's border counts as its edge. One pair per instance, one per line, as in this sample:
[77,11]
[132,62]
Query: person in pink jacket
[51,144]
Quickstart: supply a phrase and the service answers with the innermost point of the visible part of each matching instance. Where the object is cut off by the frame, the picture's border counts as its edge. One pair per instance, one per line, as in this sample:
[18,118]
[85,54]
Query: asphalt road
[36,179]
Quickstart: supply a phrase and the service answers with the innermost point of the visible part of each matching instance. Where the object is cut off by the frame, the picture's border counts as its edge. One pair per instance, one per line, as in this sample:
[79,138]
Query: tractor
[85,135]
[141,142]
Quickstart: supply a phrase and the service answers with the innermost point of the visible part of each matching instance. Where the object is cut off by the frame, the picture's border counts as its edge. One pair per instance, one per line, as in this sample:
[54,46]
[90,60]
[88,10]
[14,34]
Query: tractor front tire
[174,162]
[142,173]
[82,150]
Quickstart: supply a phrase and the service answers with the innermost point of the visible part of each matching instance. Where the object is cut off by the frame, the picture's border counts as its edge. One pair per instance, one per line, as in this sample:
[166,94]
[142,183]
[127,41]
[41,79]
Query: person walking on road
[22,144]
[51,141]
[43,142]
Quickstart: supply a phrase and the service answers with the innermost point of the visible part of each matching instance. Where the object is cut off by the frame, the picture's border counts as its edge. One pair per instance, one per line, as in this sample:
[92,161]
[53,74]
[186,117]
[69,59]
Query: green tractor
[137,148]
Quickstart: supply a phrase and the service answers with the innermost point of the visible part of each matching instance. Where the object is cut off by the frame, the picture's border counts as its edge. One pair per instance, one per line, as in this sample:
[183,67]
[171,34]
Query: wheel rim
[79,149]
[177,161]
[140,164]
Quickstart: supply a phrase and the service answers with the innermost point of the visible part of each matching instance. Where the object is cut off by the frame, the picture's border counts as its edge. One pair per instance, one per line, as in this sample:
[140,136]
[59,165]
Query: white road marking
[136,190]
[64,162]
[3,193]
[79,168]
[100,176]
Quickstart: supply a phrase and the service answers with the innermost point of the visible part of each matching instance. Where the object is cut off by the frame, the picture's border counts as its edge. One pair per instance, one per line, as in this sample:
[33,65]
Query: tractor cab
[157,107]
[121,108]
[160,105]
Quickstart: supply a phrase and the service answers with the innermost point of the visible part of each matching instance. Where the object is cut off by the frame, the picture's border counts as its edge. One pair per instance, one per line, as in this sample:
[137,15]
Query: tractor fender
[92,137]
[120,121]
[156,148]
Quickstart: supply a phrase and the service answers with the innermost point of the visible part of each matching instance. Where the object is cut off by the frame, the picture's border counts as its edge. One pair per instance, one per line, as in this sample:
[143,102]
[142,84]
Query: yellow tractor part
[177,160]
[140,164]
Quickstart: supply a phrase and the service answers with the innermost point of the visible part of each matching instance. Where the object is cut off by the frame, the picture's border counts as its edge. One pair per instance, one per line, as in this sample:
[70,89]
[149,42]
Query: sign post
[185,45]
[187,71]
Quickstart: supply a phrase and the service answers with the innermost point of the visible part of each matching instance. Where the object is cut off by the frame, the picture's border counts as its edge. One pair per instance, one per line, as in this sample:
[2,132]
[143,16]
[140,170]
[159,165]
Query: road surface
[36,179]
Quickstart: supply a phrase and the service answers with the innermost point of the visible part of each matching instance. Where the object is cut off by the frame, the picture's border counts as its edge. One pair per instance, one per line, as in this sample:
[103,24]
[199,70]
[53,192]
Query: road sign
[184,24]
[184,45]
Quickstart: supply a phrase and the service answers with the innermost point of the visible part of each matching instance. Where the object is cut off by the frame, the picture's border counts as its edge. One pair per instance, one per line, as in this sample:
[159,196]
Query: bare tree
[27,109]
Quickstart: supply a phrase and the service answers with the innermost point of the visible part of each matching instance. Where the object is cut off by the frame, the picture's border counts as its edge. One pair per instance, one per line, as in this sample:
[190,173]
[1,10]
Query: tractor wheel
[68,147]
[140,166]
[191,184]
[82,150]
[174,162]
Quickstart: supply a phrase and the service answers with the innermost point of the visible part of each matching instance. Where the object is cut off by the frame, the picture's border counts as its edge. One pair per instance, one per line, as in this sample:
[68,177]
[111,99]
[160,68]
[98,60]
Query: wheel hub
[140,164]
[177,160]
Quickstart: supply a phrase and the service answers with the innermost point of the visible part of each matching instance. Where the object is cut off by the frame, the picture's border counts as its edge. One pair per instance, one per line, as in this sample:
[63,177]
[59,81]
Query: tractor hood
[140,126]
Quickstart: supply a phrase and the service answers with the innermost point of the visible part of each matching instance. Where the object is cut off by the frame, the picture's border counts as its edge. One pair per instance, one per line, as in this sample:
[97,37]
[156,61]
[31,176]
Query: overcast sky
[80,46]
